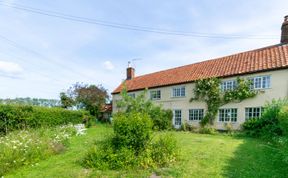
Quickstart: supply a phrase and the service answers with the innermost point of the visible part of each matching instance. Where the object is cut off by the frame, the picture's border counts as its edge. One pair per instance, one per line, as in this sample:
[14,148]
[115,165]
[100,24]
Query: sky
[43,54]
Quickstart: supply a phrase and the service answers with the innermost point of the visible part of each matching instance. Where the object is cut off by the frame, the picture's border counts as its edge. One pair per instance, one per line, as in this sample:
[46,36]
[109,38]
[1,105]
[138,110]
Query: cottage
[266,67]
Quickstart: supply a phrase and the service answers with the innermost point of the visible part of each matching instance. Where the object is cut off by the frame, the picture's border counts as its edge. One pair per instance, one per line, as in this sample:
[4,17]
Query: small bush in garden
[132,130]
[104,156]
[188,127]
[268,125]
[27,147]
[162,119]
[207,130]
[164,150]
[283,120]
[228,127]
[159,152]
[131,145]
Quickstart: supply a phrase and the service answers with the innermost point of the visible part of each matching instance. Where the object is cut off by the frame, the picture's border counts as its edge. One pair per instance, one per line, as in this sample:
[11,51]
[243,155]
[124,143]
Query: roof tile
[268,58]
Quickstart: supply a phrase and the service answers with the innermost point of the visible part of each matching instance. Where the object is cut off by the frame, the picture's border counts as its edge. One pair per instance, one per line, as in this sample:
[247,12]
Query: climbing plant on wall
[208,90]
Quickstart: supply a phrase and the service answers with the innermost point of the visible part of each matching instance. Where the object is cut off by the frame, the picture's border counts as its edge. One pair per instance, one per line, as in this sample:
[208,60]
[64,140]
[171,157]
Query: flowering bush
[27,147]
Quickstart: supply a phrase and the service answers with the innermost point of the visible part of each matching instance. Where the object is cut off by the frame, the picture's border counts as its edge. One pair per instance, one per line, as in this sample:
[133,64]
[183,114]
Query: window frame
[196,114]
[157,95]
[223,115]
[181,90]
[260,82]
[132,95]
[253,112]
[224,85]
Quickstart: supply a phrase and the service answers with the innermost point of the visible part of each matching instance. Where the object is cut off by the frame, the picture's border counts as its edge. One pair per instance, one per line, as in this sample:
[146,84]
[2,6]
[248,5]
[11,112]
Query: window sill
[175,97]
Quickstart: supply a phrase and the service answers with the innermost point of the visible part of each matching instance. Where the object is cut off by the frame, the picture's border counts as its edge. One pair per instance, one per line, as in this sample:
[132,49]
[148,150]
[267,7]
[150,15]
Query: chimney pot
[284,30]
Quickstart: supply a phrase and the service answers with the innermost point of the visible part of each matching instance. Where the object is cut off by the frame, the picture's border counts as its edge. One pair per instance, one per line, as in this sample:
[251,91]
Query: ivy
[208,90]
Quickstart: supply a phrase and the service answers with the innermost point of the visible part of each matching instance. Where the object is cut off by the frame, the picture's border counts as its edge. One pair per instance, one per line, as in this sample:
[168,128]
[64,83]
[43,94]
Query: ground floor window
[196,114]
[253,112]
[177,117]
[228,115]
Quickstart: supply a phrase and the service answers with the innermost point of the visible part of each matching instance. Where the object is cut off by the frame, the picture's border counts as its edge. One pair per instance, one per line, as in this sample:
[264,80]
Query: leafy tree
[89,97]
[66,101]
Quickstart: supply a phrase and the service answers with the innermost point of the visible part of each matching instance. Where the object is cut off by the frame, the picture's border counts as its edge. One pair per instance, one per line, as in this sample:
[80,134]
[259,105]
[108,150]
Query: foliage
[131,145]
[164,150]
[283,120]
[104,156]
[159,152]
[207,130]
[27,147]
[228,127]
[13,117]
[132,130]
[209,91]
[162,119]
[189,127]
[284,150]
[66,101]
[90,97]
[268,125]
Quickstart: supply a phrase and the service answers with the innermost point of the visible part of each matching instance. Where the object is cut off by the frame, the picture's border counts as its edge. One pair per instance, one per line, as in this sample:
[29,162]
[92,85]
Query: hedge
[13,117]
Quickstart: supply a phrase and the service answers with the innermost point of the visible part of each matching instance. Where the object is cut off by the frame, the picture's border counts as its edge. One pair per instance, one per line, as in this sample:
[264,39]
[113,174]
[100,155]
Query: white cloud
[108,65]
[10,68]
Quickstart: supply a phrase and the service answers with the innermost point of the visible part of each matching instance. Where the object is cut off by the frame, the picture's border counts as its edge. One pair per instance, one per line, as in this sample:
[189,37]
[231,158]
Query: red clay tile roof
[268,58]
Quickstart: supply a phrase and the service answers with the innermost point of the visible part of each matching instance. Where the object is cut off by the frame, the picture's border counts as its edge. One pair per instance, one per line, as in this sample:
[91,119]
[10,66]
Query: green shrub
[228,128]
[164,150]
[132,130]
[131,145]
[159,152]
[162,119]
[267,126]
[283,120]
[13,117]
[104,155]
[207,130]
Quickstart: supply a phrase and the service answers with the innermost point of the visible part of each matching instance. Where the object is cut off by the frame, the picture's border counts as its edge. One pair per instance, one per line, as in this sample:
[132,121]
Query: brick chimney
[130,72]
[284,30]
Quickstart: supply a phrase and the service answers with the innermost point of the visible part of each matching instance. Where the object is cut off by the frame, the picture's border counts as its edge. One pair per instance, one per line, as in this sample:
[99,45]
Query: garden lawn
[201,156]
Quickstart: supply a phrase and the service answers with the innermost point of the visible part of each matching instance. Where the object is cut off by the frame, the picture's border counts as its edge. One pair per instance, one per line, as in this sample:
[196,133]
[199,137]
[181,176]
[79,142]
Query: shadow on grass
[254,158]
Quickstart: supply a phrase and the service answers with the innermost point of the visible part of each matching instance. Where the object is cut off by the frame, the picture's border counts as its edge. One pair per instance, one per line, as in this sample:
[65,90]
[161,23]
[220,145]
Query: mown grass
[201,156]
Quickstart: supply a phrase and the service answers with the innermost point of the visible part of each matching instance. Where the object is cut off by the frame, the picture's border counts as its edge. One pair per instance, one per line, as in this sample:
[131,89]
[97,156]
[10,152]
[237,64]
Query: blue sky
[40,56]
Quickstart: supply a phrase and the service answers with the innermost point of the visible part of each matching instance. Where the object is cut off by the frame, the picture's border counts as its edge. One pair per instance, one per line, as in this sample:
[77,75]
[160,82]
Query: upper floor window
[178,91]
[228,115]
[228,85]
[254,112]
[132,95]
[260,82]
[196,114]
[155,94]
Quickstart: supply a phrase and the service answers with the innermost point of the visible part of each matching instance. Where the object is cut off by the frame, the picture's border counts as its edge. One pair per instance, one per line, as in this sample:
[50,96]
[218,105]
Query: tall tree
[66,101]
[90,97]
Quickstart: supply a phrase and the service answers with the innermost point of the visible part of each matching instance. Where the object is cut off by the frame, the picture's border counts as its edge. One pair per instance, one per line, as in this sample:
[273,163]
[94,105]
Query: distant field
[202,156]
